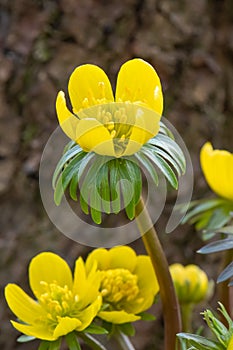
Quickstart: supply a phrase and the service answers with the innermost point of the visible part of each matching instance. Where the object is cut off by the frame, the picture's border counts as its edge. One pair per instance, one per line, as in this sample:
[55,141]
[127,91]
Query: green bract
[222,334]
[104,184]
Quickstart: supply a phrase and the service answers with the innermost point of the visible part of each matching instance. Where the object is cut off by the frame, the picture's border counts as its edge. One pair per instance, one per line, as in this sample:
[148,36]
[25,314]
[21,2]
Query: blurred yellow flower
[191,283]
[217,166]
[128,283]
[108,126]
[230,345]
[64,304]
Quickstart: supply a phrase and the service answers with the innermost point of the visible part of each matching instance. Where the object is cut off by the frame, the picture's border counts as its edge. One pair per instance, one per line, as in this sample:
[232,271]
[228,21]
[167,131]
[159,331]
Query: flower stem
[171,310]
[186,316]
[123,341]
[91,341]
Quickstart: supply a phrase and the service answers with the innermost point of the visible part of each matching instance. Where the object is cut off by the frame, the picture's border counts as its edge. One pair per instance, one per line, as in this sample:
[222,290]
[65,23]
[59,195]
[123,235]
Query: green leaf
[219,218]
[173,161]
[25,338]
[73,187]
[127,328]
[226,229]
[217,246]
[200,343]
[86,160]
[163,166]
[114,179]
[72,341]
[164,130]
[84,205]
[146,316]
[226,273]
[44,345]
[55,345]
[103,187]
[131,185]
[148,166]
[94,329]
[202,206]
[64,160]
[63,181]
[170,146]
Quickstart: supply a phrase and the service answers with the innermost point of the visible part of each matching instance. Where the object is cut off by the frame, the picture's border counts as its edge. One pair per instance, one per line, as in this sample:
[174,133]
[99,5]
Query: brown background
[191,45]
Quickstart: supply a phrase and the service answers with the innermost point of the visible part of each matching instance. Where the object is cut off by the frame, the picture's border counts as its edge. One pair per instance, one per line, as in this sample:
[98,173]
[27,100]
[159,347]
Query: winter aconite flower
[191,283]
[107,125]
[128,283]
[217,166]
[114,140]
[63,303]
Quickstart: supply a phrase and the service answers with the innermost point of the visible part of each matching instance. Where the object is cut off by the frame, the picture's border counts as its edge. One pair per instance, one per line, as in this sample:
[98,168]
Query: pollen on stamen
[76,298]
[113,134]
[102,89]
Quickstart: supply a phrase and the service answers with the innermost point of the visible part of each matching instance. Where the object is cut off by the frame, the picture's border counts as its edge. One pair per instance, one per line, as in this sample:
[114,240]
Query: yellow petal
[92,136]
[37,331]
[138,82]
[122,257]
[48,267]
[118,317]
[146,276]
[65,326]
[24,307]
[101,256]
[217,166]
[146,126]
[230,345]
[143,302]
[87,315]
[67,120]
[88,86]
[178,273]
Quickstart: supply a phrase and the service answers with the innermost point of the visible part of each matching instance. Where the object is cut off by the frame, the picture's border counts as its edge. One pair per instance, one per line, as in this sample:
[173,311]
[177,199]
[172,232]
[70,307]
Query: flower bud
[191,283]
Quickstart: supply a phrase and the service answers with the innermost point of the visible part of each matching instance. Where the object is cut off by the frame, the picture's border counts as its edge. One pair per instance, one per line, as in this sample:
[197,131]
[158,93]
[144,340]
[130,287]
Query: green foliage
[50,345]
[104,184]
[220,332]
[214,216]
[72,341]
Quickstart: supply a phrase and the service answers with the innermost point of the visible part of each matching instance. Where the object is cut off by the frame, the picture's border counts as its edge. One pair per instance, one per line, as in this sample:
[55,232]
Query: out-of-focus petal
[118,317]
[48,267]
[146,276]
[217,166]
[68,122]
[122,257]
[65,326]
[24,307]
[146,126]
[138,82]
[92,136]
[88,86]
[40,331]
[101,256]
[87,315]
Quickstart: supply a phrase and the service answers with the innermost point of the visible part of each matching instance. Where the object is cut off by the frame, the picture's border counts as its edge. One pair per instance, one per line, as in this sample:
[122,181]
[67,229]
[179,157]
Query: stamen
[118,285]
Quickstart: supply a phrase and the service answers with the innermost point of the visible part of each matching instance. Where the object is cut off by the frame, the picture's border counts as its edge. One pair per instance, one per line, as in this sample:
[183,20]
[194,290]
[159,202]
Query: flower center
[57,301]
[118,285]
[117,118]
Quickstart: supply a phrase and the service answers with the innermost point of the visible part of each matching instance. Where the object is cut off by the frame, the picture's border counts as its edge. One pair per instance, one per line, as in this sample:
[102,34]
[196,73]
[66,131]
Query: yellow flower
[107,126]
[191,283]
[230,345]
[128,283]
[64,304]
[217,166]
